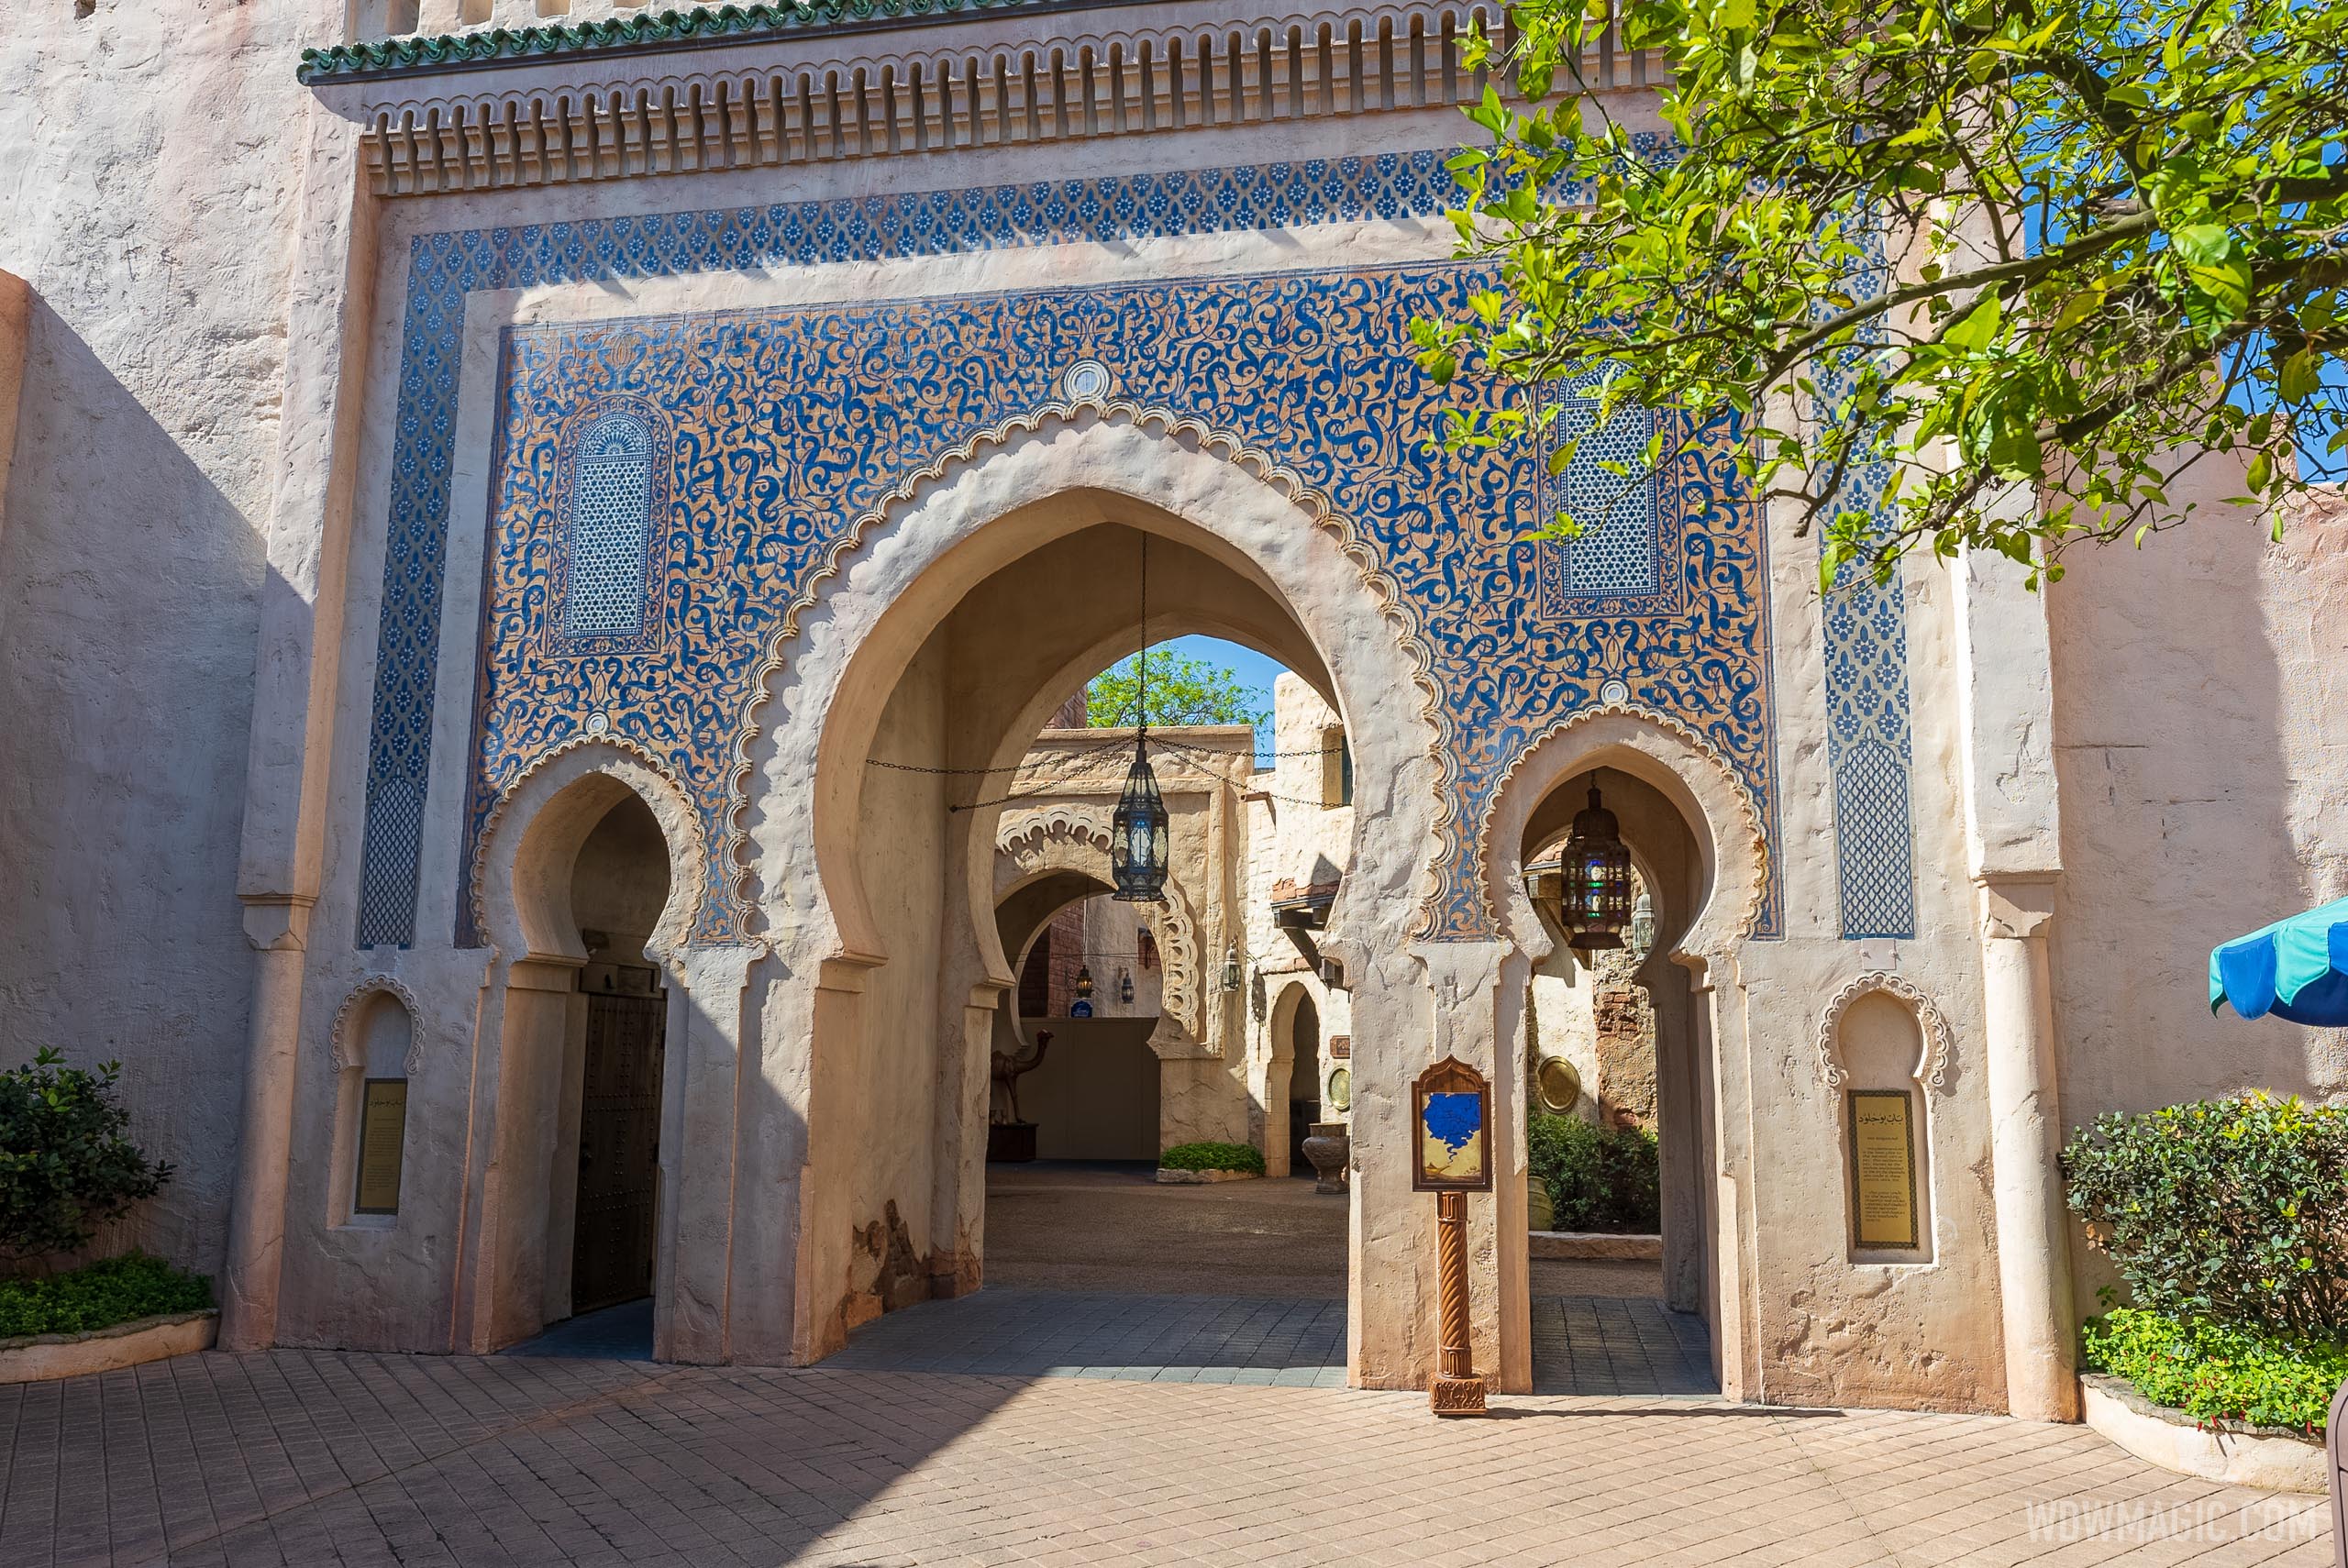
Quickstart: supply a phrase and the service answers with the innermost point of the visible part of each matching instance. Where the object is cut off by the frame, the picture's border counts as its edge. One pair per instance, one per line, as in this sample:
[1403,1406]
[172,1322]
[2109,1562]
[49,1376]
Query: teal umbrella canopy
[2295,970]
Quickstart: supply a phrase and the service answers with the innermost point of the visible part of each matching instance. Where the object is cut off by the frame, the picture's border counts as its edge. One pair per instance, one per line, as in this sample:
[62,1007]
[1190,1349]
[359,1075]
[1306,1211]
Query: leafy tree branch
[2023,259]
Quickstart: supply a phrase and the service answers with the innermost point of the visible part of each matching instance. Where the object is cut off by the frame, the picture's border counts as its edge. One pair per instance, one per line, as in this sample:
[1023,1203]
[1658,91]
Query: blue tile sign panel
[667,488]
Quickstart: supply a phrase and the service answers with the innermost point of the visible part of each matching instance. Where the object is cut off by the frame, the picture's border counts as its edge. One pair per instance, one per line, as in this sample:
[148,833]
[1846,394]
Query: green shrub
[1600,1178]
[2232,1211]
[1211,1157]
[99,1296]
[2217,1374]
[66,1163]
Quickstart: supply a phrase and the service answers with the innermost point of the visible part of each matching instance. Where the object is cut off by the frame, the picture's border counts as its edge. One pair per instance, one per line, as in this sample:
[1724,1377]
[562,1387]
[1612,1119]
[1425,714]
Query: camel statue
[1008,1070]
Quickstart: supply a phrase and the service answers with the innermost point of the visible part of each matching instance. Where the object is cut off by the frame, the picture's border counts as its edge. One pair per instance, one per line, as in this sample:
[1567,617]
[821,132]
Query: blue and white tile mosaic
[1309,367]
[1866,626]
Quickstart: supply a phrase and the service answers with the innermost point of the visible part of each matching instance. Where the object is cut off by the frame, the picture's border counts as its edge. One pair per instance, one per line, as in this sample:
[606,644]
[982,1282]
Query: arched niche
[1884,1052]
[376,1042]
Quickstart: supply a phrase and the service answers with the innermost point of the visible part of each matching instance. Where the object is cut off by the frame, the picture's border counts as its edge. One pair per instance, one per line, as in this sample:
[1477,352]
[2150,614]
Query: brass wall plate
[1557,1082]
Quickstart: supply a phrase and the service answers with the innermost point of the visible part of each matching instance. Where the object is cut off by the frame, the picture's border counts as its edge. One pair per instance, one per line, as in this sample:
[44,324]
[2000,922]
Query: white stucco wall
[153,159]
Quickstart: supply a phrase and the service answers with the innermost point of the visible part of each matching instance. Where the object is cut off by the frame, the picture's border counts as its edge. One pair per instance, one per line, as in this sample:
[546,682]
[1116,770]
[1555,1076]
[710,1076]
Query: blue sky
[1254,670]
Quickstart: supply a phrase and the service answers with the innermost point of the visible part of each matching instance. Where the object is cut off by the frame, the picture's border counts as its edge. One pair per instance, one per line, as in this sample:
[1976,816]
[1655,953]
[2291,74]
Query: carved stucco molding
[1058,838]
[602,116]
[1940,1040]
[344,1051]
[671,955]
[731,863]
[1748,824]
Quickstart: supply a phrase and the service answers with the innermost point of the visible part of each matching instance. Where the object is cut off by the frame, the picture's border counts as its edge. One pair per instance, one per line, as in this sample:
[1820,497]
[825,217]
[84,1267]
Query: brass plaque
[382,1137]
[1883,1168]
[1557,1082]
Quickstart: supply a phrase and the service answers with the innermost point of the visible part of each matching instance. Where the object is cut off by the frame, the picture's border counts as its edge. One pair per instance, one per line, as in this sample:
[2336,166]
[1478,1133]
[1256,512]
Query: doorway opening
[1115,1031]
[605,1214]
[1617,1087]
[1304,1081]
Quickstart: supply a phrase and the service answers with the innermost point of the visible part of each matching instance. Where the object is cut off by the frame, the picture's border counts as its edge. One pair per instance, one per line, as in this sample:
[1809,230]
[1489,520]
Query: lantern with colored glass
[1137,836]
[1598,878]
[1587,888]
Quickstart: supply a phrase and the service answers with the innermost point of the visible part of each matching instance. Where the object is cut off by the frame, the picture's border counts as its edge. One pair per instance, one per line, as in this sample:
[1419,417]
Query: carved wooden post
[1451,1114]
[1456,1390]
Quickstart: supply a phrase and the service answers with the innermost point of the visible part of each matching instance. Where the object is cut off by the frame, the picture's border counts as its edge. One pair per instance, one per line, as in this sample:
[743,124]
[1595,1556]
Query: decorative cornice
[701,26]
[604,112]
[1940,1040]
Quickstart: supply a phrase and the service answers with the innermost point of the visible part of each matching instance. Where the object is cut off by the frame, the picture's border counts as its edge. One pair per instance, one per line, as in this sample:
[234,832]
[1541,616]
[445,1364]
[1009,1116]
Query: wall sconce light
[1124,985]
[1231,967]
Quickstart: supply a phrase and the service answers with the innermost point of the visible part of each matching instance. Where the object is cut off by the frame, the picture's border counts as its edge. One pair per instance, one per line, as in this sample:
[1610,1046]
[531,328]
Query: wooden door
[619,1151]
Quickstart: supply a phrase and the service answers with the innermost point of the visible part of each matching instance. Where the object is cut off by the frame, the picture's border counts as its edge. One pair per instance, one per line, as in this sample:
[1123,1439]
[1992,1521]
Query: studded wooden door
[619,1151]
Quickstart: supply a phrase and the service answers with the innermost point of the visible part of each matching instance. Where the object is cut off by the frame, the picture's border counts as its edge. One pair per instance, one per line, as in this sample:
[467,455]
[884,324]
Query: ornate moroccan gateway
[715,446]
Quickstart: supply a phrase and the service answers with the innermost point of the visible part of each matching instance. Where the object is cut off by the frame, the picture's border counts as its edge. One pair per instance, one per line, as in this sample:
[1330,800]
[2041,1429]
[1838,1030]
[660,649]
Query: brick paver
[1162,1338]
[1610,1344]
[321,1457]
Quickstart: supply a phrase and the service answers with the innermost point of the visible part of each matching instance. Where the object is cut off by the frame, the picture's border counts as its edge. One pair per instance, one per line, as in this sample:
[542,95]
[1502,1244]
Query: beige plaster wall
[2201,750]
[1095,1097]
[153,160]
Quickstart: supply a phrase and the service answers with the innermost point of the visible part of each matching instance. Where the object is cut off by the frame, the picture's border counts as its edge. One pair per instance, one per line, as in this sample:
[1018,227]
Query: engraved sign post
[1451,1117]
[1883,1168]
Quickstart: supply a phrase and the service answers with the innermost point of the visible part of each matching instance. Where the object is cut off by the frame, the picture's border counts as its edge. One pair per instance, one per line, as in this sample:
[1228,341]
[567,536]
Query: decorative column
[2025,1139]
[2013,830]
[277,929]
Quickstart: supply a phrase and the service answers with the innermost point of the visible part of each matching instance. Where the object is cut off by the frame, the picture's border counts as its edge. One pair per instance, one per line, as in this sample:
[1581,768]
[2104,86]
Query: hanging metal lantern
[1640,935]
[1124,985]
[1231,982]
[1597,891]
[1137,836]
[1137,832]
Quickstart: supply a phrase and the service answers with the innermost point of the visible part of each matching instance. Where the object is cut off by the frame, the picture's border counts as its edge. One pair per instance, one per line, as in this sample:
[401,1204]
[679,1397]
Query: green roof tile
[703,24]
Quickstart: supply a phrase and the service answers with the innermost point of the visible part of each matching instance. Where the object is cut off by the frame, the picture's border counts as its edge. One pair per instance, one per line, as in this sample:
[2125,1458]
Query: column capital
[2016,907]
[277,922]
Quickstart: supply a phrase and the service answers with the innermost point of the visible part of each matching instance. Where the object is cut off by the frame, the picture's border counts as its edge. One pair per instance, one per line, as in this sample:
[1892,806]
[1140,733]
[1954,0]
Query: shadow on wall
[2198,735]
[130,590]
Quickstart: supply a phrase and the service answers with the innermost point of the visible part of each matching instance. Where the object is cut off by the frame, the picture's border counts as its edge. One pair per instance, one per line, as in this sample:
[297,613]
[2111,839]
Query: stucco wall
[2201,749]
[153,155]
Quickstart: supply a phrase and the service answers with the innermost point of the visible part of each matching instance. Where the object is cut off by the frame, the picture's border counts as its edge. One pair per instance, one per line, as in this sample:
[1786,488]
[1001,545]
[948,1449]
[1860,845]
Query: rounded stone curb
[1596,1245]
[1188,1178]
[40,1358]
[2264,1457]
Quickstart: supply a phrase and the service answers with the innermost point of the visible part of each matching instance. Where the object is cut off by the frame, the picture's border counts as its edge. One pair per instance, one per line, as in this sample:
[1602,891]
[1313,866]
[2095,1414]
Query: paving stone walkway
[1613,1344]
[1147,1339]
[312,1458]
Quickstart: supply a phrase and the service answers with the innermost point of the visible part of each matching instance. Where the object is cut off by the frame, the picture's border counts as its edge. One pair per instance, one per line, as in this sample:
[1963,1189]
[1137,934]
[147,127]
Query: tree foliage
[2023,259]
[66,1158]
[1182,691]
